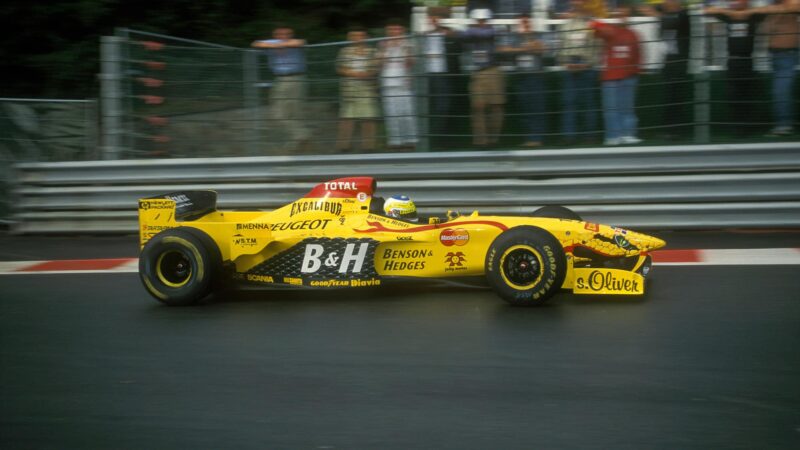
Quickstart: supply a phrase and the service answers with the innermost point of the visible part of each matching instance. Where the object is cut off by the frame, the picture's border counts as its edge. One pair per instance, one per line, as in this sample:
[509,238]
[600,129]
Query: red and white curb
[707,257]
[113,265]
[728,257]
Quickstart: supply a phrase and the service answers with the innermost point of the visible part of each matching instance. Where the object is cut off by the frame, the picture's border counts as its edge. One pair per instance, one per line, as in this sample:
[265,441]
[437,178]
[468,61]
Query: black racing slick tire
[556,212]
[180,266]
[525,266]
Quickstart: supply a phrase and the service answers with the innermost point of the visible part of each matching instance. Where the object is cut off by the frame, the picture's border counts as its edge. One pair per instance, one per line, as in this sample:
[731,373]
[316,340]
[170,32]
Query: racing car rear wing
[164,211]
[192,205]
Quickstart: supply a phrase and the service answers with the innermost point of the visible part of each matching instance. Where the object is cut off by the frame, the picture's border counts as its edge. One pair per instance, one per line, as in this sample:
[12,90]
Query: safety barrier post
[90,125]
[422,90]
[419,25]
[111,96]
[127,90]
[702,96]
[702,87]
[252,102]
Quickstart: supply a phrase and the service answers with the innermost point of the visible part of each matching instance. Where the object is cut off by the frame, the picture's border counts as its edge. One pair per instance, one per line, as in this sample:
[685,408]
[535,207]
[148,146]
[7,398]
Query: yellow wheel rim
[522,267]
[173,269]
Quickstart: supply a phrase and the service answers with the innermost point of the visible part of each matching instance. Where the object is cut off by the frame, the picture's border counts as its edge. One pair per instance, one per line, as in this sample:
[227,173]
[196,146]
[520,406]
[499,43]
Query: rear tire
[180,266]
[556,212]
[525,266]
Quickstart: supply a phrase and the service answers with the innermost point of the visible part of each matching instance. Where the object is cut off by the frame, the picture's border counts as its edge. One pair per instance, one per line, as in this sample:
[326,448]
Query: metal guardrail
[495,193]
[421,166]
[710,186]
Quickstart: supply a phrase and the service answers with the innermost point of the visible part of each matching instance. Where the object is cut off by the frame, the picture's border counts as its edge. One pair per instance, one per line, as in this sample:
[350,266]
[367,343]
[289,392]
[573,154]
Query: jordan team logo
[455,259]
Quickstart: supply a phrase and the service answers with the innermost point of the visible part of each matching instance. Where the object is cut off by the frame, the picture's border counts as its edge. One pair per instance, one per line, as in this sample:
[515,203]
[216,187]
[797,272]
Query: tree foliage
[53,48]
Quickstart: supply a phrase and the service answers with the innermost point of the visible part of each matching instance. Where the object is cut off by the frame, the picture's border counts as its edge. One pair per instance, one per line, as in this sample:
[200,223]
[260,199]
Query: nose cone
[658,243]
[647,243]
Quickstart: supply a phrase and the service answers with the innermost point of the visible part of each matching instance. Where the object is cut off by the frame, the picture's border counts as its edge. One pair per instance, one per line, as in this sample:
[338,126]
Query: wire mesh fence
[48,129]
[44,130]
[184,98]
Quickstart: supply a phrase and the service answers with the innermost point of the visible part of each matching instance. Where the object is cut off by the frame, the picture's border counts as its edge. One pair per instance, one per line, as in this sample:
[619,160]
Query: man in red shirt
[619,79]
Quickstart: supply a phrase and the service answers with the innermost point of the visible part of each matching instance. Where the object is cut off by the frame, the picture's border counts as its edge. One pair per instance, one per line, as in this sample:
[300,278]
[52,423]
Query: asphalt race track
[708,359]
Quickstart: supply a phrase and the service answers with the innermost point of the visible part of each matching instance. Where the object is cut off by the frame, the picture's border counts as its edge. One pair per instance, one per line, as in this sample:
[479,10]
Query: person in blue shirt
[526,47]
[440,61]
[287,62]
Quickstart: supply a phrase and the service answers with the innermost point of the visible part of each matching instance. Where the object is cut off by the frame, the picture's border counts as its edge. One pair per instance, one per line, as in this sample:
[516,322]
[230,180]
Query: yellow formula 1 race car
[337,236]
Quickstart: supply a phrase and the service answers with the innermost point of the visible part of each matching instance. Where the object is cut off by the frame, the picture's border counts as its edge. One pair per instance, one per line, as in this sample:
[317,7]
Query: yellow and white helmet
[400,207]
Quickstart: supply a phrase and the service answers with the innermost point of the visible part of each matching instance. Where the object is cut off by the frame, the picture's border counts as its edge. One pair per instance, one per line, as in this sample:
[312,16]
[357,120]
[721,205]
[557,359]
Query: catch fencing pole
[702,91]
[111,97]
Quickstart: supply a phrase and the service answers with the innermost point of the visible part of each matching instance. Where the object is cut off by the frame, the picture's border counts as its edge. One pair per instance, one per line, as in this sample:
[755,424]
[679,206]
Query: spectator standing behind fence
[487,84]
[620,77]
[578,56]
[358,66]
[783,32]
[527,48]
[437,67]
[288,94]
[676,34]
[741,77]
[396,56]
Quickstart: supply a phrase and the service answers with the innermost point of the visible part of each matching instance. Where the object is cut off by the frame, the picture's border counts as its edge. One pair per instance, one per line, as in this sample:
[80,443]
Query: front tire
[179,266]
[525,266]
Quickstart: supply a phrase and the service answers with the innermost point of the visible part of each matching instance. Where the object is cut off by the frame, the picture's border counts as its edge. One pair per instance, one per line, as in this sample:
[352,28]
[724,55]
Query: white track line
[753,257]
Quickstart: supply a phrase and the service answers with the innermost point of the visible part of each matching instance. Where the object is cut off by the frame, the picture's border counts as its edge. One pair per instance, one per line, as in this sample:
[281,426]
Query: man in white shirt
[439,81]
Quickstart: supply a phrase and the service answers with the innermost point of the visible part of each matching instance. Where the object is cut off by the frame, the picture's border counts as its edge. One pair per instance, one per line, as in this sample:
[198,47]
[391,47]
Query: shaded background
[53,50]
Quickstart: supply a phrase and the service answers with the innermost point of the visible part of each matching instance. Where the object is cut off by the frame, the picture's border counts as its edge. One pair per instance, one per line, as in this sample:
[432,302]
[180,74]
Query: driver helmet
[400,207]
